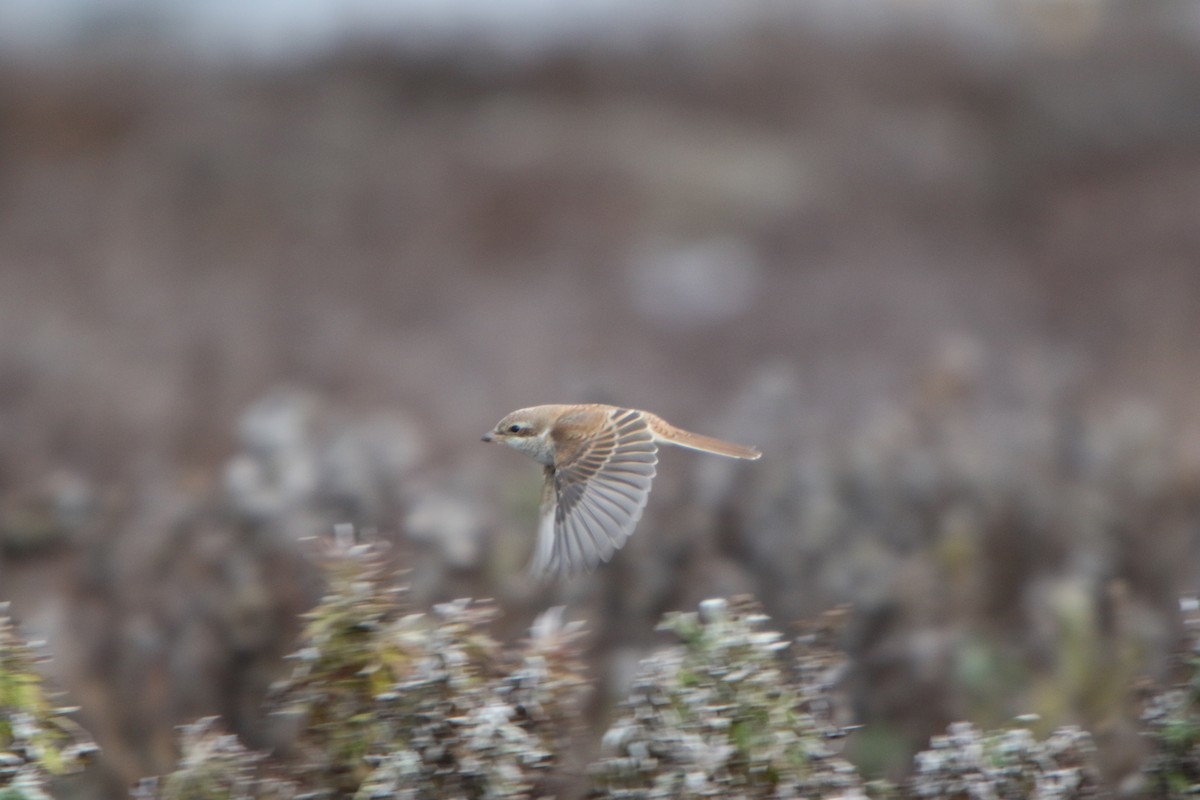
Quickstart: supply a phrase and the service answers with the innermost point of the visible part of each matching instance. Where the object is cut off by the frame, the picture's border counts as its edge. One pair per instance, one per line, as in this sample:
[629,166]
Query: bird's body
[599,462]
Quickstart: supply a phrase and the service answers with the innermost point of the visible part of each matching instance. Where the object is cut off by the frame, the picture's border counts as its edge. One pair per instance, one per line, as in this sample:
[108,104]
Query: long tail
[669,434]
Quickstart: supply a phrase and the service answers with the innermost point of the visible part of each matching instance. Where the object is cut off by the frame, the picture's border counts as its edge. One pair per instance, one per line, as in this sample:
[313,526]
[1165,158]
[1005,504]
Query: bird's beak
[487,437]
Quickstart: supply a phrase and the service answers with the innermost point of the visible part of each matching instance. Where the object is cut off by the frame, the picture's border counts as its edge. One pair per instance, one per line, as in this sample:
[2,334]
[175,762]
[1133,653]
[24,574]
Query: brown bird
[599,461]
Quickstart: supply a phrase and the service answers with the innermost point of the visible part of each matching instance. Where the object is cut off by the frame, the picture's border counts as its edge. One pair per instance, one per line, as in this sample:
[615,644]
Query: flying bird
[599,462]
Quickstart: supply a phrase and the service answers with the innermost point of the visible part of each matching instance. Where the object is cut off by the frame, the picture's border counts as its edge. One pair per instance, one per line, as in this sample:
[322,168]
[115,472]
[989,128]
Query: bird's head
[527,430]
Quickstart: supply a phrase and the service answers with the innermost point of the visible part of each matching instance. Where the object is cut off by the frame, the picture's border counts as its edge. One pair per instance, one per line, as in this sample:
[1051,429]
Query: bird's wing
[543,555]
[600,486]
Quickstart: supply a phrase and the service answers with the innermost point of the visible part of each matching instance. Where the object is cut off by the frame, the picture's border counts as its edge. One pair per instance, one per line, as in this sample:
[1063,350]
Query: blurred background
[270,267]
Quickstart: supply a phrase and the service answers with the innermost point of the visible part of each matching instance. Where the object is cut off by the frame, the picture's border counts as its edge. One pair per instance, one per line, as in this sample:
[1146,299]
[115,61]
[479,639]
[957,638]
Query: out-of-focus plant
[391,703]
[721,715]
[394,703]
[1006,765]
[1171,719]
[38,740]
[215,766]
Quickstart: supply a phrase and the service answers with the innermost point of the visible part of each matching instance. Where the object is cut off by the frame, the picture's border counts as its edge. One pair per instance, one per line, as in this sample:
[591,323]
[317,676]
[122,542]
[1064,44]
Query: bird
[599,462]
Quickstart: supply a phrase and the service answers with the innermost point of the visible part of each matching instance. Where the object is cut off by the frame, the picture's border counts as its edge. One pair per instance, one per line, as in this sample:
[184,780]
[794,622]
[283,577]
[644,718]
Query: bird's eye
[514,428]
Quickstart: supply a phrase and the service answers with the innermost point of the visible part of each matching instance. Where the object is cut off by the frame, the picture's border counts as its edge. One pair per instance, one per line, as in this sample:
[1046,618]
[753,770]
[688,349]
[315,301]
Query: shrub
[38,740]
[720,715]
[1006,765]
[1171,718]
[215,766]
[395,703]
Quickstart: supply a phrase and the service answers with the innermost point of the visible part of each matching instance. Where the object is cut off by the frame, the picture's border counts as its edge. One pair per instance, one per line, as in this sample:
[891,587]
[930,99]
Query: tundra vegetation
[389,701]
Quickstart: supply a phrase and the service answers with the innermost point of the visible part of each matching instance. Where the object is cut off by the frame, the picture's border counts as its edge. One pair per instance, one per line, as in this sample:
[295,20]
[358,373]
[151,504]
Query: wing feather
[544,554]
[600,491]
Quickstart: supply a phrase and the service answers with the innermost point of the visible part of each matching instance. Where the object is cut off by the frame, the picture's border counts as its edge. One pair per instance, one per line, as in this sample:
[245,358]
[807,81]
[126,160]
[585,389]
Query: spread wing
[595,494]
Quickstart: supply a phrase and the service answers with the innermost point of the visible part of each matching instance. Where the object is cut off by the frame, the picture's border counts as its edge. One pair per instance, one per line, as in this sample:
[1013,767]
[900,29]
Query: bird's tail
[668,433]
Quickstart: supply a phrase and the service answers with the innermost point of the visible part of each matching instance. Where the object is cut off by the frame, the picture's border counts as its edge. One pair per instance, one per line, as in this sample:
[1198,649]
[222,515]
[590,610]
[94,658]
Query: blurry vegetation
[391,702]
[999,563]
[213,764]
[1007,765]
[721,715]
[394,703]
[388,699]
[38,740]
[1172,722]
